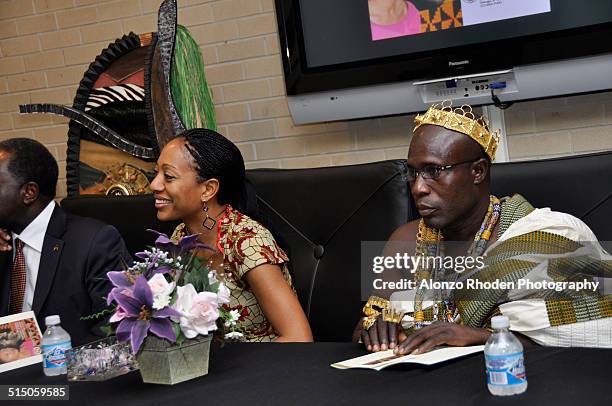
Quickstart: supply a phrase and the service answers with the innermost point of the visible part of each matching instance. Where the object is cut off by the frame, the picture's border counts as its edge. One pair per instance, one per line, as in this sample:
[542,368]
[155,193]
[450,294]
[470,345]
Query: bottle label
[507,369]
[54,355]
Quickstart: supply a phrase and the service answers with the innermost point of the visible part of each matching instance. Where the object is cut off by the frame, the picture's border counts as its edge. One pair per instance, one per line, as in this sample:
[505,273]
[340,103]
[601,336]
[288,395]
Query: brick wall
[46,45]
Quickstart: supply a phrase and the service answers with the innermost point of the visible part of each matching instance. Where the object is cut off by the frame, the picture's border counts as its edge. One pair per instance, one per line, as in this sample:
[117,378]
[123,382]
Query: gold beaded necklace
[429,242]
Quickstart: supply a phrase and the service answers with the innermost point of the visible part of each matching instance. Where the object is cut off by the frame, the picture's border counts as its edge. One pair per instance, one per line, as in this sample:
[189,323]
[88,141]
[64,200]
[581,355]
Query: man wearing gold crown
[449,162]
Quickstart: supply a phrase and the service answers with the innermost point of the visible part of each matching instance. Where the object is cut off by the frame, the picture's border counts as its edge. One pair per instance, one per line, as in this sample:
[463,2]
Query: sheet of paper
[383,359]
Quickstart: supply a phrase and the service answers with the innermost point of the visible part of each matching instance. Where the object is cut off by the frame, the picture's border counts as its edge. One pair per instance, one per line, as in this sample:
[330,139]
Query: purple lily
[151,259]
[162,269]
[142,255]
[186,243]
[121,280]
[141,318]
[152,264]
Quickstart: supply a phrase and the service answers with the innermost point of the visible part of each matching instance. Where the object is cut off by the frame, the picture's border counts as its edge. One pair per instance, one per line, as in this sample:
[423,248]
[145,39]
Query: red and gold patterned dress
[245,244]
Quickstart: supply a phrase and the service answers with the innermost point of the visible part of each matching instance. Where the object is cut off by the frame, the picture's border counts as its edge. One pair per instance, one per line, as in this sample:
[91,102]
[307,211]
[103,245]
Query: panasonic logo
[458,63]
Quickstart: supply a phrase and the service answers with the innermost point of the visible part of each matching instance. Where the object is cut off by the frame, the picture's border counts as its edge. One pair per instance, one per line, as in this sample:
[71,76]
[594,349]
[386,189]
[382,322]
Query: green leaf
[107,330]
[180,337]
[178,333]
[196,279]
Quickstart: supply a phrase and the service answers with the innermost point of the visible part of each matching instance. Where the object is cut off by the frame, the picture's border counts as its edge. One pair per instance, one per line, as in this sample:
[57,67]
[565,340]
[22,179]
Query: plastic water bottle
[55,343]
[504,360]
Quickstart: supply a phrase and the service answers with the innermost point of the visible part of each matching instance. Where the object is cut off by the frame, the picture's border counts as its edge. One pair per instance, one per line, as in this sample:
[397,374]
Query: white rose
[161,290]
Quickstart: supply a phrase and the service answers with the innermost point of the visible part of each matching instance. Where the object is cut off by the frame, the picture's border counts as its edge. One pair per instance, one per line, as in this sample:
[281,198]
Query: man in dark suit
[51,262]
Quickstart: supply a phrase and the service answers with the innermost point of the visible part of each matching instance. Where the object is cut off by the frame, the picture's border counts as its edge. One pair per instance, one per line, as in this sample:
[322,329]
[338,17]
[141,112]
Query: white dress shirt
[33,237]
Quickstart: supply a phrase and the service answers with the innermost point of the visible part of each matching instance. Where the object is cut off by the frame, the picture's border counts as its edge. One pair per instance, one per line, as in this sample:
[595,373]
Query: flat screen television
[346,59]
[328,45]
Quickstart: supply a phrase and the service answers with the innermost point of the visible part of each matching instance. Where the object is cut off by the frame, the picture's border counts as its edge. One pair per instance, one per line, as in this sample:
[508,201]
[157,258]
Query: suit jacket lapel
[49,257]
[5,281]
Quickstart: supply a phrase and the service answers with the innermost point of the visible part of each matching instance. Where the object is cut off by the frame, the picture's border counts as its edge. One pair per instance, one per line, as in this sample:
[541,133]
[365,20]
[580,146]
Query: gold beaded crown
[463,120]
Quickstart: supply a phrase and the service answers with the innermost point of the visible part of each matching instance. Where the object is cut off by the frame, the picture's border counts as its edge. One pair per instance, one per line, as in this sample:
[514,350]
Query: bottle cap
[500,322]
[53,320]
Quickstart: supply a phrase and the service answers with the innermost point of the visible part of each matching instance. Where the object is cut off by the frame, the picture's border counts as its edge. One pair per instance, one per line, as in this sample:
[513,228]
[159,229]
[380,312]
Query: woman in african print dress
[201,181]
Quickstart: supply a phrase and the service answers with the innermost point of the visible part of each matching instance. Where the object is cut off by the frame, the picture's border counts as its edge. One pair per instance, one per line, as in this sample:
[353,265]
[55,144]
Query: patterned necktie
[18,279]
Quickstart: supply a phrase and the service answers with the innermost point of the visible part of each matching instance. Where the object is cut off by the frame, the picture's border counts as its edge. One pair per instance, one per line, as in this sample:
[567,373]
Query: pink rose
[200,311]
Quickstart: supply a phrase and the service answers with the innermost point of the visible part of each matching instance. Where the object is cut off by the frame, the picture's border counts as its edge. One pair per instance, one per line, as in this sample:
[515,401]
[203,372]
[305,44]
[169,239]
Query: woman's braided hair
[217,157]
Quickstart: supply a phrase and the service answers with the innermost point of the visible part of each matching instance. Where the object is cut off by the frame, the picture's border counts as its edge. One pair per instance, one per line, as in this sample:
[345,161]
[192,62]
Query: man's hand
[381,336]
[440,333]
[5,238]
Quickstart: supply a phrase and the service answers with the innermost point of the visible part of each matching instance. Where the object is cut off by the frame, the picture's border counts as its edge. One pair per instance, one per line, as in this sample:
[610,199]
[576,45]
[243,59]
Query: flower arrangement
[171,294]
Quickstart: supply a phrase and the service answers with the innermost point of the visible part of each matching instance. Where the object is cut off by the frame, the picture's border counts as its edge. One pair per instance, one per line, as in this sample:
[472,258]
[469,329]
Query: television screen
[344,43]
